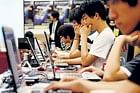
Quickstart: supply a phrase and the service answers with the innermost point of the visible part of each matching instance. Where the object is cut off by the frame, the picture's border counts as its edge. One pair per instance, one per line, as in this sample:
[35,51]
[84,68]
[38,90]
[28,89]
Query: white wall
[11,14]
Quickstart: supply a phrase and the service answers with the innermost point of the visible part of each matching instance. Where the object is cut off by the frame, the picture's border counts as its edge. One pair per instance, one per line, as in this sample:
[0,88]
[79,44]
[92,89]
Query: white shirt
[53,29]
[101,46]
[91,37]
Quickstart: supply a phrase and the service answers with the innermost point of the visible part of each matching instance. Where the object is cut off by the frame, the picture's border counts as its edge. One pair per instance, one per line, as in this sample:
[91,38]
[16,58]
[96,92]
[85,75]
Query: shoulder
[59,23]
[108,34]
[50,24]
[131,65]
[135,74]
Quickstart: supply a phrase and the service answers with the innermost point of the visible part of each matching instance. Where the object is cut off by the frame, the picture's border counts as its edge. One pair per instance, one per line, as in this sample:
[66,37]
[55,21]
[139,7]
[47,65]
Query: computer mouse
[41,69]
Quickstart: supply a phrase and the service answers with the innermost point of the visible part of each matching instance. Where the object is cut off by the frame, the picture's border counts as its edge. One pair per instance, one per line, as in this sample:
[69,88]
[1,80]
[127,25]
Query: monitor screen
[23,44]
[11,66]
[9,35]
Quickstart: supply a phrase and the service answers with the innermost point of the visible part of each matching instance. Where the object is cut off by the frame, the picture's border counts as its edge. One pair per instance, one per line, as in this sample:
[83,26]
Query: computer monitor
[35,61]
[47,41]
[22,43]
[12,55]
[9,35]
[40,50]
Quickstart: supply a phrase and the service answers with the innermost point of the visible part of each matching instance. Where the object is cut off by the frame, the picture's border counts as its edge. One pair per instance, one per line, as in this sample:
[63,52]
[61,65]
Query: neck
[54,20]
[101,26]
[137,27]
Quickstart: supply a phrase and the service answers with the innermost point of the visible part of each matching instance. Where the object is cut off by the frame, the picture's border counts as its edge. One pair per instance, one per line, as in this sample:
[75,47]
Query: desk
[36,88]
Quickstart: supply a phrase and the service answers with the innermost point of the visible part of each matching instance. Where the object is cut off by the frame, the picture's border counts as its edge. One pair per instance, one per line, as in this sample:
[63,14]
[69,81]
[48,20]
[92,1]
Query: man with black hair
[113,70]
[129,26]
[74,55]
[94,16]
[53,27]
[66,33]
[29,34]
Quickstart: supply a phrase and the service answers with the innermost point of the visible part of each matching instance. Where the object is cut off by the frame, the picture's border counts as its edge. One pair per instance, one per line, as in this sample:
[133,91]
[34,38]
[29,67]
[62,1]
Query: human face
[76,27]
[125,16]
[75,23]
[52,18]
[89,21]
[65,40]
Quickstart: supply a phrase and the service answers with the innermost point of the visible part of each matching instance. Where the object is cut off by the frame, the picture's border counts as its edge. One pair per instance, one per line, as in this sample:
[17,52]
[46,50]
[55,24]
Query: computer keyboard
[65,75]
[35,72]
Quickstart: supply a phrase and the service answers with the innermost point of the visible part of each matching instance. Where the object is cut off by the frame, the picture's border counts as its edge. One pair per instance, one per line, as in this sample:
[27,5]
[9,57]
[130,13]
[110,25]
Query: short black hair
[76,14]
[90,7]
[66,30]
[55,14]
[130,2]
[29,34]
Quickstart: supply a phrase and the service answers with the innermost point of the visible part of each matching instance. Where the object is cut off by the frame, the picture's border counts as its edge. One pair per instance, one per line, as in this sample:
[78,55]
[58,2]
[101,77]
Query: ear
[97,15]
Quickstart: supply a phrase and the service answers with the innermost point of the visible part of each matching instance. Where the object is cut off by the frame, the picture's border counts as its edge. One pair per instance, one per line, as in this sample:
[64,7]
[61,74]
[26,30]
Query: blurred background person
[53,27]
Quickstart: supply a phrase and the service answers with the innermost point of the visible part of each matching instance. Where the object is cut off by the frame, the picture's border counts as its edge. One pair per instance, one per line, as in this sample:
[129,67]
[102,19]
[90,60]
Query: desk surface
[32,89]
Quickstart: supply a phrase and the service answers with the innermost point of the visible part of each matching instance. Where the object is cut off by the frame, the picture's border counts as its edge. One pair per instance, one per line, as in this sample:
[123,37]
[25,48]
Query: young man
[66,33]
[94,16]
[74,55]
[118,11]
[113,71]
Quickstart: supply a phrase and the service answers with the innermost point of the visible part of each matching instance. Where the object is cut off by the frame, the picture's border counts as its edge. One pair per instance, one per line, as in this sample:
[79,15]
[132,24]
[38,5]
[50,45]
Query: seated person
[75,17]
[66,33]
[129,26]
[73,56]
[102,44]
[24,46]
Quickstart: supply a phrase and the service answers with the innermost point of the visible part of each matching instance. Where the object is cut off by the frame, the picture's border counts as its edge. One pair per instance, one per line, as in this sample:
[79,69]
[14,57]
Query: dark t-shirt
[134,67]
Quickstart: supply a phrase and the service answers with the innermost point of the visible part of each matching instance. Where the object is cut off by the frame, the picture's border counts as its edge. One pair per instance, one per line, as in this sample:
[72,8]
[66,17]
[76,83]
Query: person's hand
[92,69]
[54,58]
[74,84]
[58,54]
[54,54]
[137,41]
[124,39]
[77,29]
[132,39]
[85,30]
